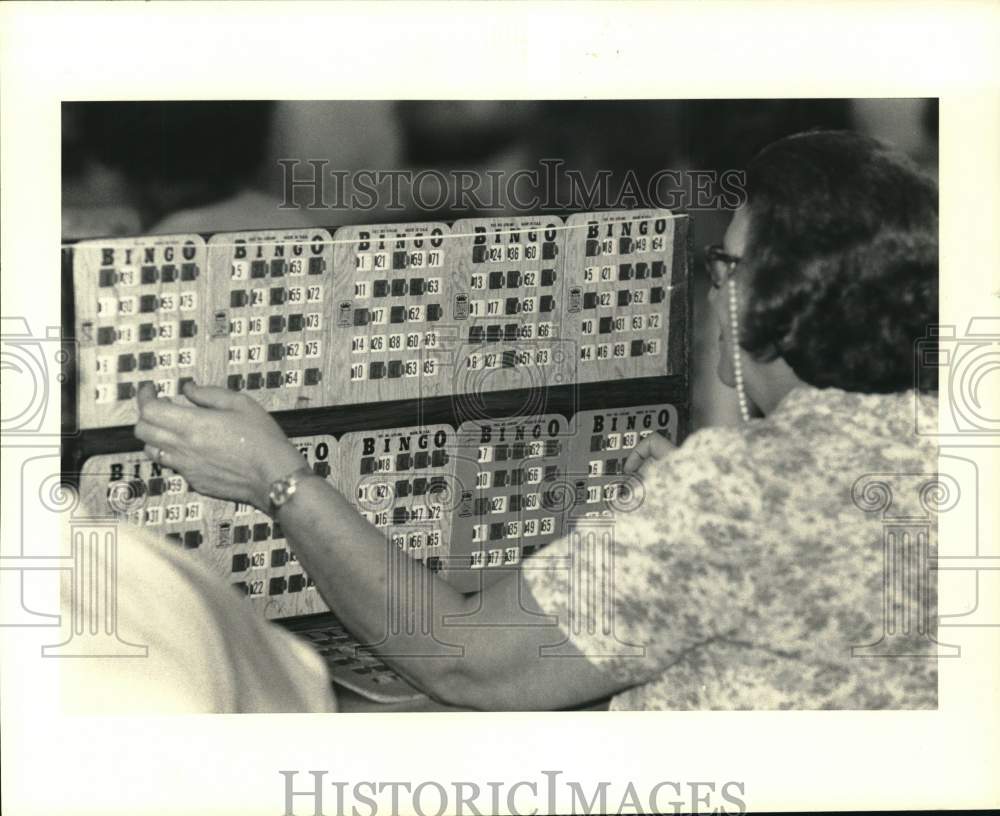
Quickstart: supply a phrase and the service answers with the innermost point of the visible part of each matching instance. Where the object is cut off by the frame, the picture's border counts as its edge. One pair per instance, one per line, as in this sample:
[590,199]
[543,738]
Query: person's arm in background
[228,446]
[187,644]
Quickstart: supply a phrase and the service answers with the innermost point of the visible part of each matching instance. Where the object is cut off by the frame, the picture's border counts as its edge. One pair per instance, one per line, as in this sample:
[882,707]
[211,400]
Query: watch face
[283,489]
[279,492]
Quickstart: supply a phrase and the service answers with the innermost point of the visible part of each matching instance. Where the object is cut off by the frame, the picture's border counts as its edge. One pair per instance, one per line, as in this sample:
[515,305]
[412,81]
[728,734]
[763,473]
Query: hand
[651,449]
[225,445]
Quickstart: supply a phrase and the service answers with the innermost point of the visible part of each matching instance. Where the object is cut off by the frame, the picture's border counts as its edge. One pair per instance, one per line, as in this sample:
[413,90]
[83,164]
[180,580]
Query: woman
[748,578]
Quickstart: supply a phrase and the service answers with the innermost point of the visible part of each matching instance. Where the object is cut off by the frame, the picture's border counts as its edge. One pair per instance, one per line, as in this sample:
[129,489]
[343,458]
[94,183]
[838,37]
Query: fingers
[156,435]
[165,414]
[206,396]
[146,395]
[160,455]
[634,461]
[638,455]
[653,447]
[659,445]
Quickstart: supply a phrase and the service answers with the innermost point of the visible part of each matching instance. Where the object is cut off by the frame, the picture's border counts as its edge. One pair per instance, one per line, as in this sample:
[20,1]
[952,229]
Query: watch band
[282,490]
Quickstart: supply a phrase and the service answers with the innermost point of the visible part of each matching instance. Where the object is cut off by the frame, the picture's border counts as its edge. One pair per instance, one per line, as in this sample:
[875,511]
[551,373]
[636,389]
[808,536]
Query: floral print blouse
[757,572]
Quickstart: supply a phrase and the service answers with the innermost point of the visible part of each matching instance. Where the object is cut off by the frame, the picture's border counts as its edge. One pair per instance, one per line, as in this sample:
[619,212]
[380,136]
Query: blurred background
[161,167]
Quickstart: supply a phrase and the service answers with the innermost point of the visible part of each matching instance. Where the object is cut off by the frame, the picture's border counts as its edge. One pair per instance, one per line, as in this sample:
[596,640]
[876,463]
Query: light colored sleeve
[184,641]
[638,592]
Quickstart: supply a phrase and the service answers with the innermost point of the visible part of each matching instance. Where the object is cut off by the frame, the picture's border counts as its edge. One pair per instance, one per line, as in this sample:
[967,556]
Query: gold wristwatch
[283,489]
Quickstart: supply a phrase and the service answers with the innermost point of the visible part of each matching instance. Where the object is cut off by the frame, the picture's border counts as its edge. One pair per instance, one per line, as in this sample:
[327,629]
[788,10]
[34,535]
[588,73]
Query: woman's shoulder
[711,479]
[817,421]
[718,455]
[812,435]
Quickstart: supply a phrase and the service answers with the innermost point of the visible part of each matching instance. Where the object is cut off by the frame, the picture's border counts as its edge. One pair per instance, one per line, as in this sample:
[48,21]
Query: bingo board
[513,495]
[620,269]
[392,288]
[462,385]
[599,450]
[140,317]
[241,544]
[270,294]
[508,304]
[402,480]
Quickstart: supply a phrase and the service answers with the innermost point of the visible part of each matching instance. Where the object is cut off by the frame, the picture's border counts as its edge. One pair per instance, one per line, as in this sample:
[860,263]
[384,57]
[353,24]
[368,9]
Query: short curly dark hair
[842,261]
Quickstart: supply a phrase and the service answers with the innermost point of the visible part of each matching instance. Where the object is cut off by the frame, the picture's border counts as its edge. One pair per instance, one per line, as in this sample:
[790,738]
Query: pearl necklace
[737,361]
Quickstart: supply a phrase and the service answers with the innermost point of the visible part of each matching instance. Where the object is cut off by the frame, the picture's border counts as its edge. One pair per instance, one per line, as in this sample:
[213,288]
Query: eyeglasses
[720,265]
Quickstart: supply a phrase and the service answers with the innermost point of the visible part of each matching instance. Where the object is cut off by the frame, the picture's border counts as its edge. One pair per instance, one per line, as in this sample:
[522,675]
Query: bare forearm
[492,664]
[351,563]
[226,445]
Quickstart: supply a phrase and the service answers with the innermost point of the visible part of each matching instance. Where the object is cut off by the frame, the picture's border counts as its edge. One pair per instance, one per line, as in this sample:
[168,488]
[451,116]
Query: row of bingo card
[300,318]
[621,269]
[141,316]
[509,304]
[599,449]
[241,544]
